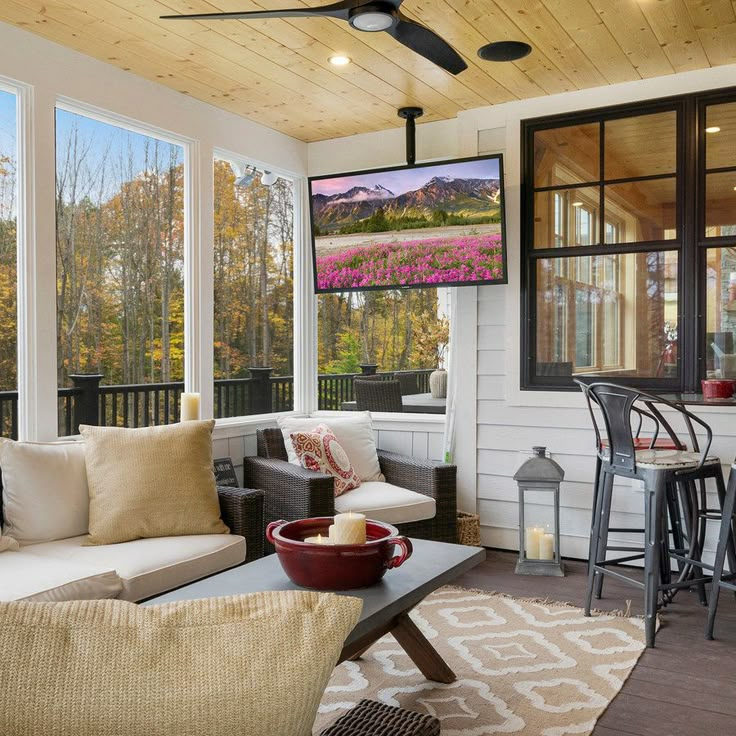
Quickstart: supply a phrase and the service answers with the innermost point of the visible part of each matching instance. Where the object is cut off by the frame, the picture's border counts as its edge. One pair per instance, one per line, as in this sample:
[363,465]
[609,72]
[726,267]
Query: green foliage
[348,352]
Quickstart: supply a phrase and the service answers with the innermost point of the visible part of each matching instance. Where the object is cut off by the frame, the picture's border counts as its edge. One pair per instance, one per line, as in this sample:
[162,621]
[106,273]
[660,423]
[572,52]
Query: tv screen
[438,224]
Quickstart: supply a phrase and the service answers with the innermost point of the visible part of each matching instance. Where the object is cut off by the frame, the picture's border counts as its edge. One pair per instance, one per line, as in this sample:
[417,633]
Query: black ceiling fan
[370,17]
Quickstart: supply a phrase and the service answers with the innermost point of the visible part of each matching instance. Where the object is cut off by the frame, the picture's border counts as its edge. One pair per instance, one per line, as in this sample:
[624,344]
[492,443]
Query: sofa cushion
[147,567]
[354,433]
[151,482]
[386,502]
[31,578]
[244,665]
[45,494]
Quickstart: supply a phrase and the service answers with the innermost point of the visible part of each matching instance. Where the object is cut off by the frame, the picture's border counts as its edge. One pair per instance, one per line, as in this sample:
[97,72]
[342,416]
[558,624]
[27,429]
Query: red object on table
[717,388]
[336,566]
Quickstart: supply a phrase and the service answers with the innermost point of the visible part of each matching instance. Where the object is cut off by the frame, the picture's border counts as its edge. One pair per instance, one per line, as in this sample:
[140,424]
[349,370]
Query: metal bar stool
[658,469]
[671,442]
[726,538]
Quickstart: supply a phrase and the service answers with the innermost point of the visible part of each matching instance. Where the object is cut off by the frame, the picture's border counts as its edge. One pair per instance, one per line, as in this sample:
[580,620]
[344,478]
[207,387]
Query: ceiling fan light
[504,51]
[268,178]
[372,18]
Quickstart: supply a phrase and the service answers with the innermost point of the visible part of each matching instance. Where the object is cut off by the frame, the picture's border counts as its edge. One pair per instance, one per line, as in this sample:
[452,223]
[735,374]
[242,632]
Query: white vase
[438,383]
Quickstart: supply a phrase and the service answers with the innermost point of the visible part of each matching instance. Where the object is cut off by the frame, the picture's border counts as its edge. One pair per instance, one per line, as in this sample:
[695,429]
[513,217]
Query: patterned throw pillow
[319,450]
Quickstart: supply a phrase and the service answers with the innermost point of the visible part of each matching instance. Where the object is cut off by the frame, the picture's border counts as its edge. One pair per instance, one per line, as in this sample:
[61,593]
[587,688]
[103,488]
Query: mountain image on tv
[426,225]
[442,200]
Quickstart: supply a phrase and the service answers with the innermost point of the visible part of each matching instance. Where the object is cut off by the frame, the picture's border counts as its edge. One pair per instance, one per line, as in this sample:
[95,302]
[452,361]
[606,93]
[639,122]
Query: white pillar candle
[349,529]
[189,407]
[547,547]
[532,540]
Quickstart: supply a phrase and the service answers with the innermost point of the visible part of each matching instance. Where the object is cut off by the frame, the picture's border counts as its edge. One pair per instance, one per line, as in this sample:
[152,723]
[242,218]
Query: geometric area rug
[523,667]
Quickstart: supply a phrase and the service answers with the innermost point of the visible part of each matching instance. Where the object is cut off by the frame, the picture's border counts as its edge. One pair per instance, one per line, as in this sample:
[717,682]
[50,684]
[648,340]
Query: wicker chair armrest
[242,509]
[428,477]
[292,492]
[370,718]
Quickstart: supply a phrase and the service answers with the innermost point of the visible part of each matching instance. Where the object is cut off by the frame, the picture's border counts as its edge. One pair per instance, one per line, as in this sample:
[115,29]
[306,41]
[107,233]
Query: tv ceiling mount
[410,114]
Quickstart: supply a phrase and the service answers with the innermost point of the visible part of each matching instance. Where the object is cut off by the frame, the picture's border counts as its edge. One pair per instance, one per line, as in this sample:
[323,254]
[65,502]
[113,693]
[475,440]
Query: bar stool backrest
[616,404]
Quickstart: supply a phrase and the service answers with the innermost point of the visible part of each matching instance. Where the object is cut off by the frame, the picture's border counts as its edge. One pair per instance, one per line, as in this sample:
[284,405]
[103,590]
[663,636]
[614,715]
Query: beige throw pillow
[151,482]
[250,665]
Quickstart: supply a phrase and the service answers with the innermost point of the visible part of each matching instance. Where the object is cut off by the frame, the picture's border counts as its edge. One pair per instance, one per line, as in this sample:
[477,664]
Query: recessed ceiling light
[713,129]
[577,204]
[339,60]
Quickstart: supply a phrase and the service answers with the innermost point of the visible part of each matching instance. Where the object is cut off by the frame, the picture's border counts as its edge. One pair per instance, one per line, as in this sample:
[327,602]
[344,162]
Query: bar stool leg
[605,484]
[597,484]
[722,493]
[605,520]
[655,486]
[725,539]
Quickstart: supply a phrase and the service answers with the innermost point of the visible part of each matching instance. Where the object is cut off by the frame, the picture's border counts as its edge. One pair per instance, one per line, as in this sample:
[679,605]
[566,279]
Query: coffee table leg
[421,652]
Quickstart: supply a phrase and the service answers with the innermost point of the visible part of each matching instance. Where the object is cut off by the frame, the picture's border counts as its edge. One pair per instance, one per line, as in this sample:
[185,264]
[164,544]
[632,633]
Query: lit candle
[189,407]
[348,529]
[547,547]
[533,539]
[319,539]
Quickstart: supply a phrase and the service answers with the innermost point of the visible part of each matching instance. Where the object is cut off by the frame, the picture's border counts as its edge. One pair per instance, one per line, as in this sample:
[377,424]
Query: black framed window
[629,243]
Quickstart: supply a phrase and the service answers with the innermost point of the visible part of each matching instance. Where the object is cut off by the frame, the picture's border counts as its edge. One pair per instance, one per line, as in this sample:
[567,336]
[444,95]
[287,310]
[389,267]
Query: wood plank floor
[685,686]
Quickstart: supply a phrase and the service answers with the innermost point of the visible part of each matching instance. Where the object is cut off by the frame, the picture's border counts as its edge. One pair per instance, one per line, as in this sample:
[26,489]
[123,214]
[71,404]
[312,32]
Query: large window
[629,242]
[8,268]
[253,278]
[120,274]
[400,334]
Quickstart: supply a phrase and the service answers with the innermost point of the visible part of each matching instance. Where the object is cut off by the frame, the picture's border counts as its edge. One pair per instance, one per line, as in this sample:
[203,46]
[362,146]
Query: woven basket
[468,529]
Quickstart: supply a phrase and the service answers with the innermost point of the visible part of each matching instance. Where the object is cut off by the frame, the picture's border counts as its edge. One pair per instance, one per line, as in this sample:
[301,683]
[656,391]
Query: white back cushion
[353,432]
[45,494]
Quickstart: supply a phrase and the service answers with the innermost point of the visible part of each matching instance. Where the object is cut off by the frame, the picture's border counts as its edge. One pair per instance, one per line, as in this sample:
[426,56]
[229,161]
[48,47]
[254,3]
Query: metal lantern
[539,544]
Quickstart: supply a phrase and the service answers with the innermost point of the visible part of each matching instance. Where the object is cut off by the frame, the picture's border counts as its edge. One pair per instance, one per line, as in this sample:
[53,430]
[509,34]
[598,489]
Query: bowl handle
[271,528]
[404,555]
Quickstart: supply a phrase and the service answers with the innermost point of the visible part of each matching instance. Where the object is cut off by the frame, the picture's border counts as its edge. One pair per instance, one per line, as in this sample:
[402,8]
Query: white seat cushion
[386,502]
[669,459]
[26,577]
[148,567]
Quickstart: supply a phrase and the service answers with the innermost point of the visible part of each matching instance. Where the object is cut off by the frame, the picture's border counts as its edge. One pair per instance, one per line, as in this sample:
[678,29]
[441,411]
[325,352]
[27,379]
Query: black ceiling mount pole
[410,114]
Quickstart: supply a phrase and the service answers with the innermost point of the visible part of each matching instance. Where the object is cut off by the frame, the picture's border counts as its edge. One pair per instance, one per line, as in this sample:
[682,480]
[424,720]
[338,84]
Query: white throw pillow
[45,494]
[354,433]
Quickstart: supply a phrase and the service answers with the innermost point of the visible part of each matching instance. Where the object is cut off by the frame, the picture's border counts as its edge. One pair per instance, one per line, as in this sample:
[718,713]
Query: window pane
[720,145]
[645,145]
[569,155]
[720,204]
[8,270]
[120,272]
[721,313]
[400,334]
[566,217]
[254,303]
[607,315]
[638,211]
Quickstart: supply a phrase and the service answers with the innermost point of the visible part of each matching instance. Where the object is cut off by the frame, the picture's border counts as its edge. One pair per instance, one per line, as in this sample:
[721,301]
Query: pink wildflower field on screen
[401,263]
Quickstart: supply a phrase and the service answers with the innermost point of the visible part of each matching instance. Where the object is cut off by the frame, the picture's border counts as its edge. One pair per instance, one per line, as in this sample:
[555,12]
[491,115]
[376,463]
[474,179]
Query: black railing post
[261,398]
[87,403]
[368,369]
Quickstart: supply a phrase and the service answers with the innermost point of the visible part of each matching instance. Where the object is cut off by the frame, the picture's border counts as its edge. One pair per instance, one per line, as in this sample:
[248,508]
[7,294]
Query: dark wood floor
[685,686]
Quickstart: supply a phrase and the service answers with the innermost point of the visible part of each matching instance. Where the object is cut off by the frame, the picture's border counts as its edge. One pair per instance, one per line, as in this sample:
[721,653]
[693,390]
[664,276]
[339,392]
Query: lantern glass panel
[539,525]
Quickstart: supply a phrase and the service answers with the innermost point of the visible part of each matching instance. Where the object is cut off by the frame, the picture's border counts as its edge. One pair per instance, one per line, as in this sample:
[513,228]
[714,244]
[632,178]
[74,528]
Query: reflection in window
[566,217]
[641,145]
[567,155]
[642,210]
[614,314]
[253,280]
[720,204]
[721,313]
[720,135]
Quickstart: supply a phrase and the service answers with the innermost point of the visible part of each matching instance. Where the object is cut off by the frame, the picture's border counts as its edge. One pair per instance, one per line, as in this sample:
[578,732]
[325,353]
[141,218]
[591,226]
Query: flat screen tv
[436,224]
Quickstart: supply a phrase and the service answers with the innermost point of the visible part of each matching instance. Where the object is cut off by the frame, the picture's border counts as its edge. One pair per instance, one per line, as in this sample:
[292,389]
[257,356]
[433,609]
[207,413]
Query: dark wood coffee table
[386,606]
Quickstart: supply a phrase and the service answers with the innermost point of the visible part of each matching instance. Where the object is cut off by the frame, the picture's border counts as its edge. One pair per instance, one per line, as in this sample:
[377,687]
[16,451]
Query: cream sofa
[64,569]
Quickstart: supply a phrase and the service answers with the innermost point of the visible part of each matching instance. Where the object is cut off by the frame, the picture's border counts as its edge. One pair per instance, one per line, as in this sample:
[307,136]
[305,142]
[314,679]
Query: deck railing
[89,401]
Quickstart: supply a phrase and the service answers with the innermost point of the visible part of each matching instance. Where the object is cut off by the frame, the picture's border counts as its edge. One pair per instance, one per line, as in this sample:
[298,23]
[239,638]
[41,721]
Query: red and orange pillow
[319,450]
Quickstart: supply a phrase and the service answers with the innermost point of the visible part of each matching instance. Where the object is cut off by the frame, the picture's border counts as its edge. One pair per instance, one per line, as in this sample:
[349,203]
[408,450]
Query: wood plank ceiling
[277,73]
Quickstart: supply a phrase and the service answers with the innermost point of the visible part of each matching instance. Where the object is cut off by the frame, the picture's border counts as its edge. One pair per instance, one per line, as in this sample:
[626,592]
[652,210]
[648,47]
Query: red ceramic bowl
[336,566]
[717,388]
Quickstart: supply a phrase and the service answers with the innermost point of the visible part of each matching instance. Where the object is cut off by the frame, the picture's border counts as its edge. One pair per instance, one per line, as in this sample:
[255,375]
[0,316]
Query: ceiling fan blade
[428,44]
[334,10]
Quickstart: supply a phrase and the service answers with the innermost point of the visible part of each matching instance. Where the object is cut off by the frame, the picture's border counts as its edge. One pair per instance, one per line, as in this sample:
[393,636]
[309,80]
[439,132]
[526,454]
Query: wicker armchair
[293,492]
[377,395]
[370,718]
[242,509]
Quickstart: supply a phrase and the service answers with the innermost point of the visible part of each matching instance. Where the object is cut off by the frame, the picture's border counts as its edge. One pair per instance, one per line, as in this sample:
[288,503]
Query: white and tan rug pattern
[523,667]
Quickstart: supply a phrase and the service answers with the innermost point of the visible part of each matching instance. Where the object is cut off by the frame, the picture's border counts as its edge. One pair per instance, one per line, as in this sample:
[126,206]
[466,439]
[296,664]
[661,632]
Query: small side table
[370,718]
